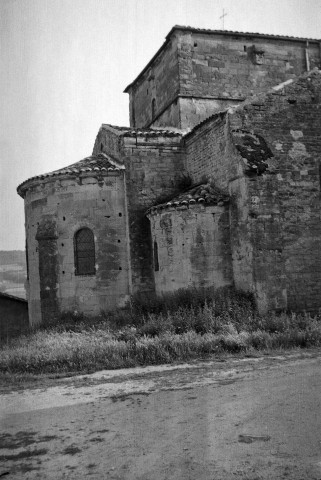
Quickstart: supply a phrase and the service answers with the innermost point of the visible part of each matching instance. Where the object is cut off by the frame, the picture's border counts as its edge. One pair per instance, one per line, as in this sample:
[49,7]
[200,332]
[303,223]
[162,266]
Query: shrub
[177,327]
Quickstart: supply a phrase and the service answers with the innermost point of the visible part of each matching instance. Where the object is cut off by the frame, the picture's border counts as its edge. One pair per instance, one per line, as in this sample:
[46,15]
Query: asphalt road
[237,419]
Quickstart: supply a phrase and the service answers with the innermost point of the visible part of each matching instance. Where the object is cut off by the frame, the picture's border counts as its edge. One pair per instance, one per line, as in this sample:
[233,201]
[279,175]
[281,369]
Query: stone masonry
[216,182]
[197,72]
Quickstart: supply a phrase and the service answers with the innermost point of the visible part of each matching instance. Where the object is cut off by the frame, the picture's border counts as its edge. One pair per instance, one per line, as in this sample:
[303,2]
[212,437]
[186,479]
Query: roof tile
[96,163]
[143,132]
[205,194]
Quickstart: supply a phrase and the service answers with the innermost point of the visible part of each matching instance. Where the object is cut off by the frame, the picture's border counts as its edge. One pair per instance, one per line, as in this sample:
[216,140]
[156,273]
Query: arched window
[84,245]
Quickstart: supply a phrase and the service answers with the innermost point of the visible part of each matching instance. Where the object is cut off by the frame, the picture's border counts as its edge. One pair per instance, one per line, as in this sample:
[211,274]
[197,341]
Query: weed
[177,327]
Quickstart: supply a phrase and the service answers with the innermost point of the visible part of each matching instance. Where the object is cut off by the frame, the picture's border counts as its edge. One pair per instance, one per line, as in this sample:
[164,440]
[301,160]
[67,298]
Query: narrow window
[153,107]
[156,264]
[133,119]
[27,260]
[84,245]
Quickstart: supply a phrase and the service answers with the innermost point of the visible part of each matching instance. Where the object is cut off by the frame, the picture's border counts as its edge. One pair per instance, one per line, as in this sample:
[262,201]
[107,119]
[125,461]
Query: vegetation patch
[24,454]
[187,325]
[71,450]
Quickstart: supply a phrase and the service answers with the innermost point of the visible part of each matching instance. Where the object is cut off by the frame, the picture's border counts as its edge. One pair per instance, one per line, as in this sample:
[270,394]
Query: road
[250,419]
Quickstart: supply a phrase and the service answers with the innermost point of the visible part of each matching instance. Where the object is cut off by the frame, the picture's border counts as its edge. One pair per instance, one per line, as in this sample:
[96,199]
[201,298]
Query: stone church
[216,182]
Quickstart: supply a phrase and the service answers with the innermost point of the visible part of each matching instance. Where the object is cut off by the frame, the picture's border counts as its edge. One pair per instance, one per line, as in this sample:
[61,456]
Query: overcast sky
[65,63]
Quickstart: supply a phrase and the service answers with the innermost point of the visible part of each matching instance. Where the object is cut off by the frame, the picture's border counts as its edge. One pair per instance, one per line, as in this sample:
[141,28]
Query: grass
[179,327]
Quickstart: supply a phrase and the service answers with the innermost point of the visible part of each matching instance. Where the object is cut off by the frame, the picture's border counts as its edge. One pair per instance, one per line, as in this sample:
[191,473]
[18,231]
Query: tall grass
[179,327]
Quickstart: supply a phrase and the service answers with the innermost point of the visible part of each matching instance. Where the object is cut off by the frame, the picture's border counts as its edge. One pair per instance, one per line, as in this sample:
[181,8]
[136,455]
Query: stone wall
[193,248]
[276,215]
[196,74]
[154,163]
[67,205]
[210,152]
[193,111]
[186,112]
[159,82]
[170,117]
[232,66]
[154,166]
[109,140]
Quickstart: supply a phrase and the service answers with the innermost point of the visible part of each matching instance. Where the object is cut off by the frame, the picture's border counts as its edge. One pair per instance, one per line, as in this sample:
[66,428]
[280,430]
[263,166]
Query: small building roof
[100,163]
[145,132]
[12,297]
[204,193]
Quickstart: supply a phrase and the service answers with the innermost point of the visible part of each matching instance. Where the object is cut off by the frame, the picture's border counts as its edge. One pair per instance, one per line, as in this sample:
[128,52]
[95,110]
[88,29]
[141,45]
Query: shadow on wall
[13,317]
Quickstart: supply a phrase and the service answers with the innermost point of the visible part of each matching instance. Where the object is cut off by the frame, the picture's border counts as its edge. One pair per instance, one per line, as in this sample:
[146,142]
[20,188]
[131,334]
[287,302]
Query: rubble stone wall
[210,153]
[276,219]
[193,248]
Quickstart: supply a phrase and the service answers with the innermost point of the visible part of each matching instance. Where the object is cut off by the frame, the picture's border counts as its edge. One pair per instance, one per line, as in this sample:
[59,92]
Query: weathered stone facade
[57,206]
[224,189]
[198,72]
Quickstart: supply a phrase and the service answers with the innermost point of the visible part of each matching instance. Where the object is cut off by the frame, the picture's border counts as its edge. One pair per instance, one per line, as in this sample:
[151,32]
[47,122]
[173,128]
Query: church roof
[241,34]
[143,132]
[205,194]
[100,163]
[217,32]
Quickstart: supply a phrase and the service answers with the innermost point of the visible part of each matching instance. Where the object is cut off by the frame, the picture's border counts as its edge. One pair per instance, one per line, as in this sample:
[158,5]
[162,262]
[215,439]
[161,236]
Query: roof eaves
[242,34]
[202,194]
[168,36]
[78,168]
[114,128]
[143,132]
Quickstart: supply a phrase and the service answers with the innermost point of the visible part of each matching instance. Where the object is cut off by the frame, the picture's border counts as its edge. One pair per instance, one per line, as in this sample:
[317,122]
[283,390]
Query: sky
[64,65]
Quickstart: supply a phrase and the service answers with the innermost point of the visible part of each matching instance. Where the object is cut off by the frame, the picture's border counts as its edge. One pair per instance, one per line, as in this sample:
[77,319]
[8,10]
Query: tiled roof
[143,132]
[205,194]
[217,32]
[100,163]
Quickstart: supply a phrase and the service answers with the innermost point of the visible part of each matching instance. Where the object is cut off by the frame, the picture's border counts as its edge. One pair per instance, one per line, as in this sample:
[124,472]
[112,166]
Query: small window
[27,260]
[156,264]
[153,107]
[84,245]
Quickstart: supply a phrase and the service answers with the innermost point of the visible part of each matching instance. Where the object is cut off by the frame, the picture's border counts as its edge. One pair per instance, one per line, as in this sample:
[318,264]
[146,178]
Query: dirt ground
[250,418]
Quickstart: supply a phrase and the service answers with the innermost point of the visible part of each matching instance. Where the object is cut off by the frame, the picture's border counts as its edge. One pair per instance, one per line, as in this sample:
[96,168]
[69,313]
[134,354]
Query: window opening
[27,260]
[84,246]
[156,264]
[153,107]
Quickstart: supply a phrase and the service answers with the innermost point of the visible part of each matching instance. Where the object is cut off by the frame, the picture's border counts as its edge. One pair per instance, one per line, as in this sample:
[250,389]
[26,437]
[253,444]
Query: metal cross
[222,17]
